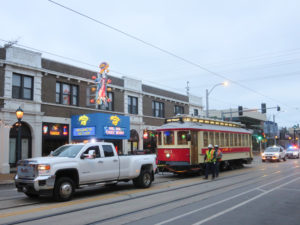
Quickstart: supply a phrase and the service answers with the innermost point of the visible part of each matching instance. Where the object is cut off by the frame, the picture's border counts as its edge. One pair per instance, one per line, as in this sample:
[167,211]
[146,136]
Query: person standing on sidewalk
[210,161]
[218,157]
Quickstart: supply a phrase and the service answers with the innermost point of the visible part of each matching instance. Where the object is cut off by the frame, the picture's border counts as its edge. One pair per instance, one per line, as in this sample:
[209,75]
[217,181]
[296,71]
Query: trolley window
[238,139]
[168,137]
[231,140]
[181,137]
[222,139]
[226,139]
[235,140]
[217,138]
[211,138]
[158,138]
[205,139]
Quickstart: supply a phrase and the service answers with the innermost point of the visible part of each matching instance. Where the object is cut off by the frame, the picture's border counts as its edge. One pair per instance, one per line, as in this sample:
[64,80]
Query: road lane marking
[221,201]
[88,200]
[244,203]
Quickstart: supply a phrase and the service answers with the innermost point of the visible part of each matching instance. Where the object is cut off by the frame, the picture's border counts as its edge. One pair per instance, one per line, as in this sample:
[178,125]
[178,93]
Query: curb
[7,183]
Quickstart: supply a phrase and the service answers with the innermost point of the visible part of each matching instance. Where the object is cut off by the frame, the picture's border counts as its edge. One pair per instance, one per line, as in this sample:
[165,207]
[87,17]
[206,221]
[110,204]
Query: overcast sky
[254,44]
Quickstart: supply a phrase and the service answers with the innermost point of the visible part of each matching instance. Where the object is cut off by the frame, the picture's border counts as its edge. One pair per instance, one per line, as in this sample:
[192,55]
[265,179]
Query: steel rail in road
[37,218]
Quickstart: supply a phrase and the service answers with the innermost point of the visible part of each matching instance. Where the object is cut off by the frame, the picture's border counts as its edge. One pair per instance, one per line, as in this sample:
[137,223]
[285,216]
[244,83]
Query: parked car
[74,166]
[293,152]
[274,153]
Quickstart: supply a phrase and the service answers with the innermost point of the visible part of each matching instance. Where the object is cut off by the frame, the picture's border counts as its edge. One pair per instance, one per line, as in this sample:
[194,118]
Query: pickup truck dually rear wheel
[143,180]
[63,189]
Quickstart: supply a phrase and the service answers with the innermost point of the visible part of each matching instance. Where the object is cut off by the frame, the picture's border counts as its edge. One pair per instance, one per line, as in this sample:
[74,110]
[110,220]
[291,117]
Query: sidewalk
[7,179]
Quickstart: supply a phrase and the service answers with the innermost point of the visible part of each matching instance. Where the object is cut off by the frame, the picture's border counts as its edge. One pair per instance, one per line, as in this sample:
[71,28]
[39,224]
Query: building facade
[51,92]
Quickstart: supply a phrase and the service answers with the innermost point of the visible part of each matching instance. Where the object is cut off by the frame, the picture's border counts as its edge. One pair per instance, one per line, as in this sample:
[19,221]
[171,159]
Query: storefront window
[168,137]
[181,137]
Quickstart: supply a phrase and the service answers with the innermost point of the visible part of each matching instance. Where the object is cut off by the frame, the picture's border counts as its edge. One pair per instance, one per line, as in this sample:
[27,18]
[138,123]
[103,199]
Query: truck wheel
[284,159]
[31,195]
[144,180]
[63,189]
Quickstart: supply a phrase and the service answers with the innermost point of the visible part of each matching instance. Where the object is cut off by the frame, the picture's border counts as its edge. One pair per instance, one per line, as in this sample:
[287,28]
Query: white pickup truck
[73,166]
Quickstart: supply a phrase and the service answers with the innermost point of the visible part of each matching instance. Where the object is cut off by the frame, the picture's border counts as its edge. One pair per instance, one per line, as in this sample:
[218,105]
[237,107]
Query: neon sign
[83,120]
[85,131]
[115,120]
[117,131]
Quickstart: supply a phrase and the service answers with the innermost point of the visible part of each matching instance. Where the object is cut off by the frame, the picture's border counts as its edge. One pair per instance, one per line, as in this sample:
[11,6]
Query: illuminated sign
[45,129]
[118,131]
[115,120]
[84,131]
[83,120]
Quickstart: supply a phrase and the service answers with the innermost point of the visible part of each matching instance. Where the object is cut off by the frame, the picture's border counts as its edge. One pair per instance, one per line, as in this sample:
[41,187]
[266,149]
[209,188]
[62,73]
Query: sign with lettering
[84,131]
[118,131]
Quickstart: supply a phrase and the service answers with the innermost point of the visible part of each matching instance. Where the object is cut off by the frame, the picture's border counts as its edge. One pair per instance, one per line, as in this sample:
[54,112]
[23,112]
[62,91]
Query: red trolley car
[182,143]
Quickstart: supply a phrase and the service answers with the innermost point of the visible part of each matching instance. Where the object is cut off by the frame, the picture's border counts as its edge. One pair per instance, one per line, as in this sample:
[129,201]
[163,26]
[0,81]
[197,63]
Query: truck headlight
[276,154]
[44,169]
[168,155]
[295,153]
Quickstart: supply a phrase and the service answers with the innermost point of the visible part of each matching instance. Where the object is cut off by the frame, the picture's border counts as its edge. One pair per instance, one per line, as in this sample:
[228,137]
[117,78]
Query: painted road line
[221,201]
[244,203]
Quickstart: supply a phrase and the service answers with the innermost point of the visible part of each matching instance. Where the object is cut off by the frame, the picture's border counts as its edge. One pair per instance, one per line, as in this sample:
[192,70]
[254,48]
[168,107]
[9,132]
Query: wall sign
[84,131]
[118,131]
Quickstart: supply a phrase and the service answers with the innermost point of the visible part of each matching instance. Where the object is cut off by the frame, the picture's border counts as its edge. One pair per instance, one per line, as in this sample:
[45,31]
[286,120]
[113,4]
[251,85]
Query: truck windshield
[69,151]
[272,150]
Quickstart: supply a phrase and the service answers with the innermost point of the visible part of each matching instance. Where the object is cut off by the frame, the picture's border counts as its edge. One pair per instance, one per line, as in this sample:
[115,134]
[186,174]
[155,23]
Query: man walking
[210,161]
[219,155]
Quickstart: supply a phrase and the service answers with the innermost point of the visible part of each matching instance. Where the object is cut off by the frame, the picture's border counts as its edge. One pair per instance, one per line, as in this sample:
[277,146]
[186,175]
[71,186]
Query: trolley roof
[192,123]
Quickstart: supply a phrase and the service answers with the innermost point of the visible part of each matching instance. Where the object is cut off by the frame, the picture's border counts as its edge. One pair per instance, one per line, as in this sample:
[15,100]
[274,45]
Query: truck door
[110,163]
[90,166]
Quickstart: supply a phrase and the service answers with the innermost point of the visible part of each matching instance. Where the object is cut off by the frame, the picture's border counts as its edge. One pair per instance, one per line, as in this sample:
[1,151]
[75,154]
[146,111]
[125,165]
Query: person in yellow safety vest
[219,155]
[210,162]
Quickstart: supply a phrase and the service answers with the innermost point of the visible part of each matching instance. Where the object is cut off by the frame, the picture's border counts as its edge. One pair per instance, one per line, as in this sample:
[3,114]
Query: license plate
[25,171]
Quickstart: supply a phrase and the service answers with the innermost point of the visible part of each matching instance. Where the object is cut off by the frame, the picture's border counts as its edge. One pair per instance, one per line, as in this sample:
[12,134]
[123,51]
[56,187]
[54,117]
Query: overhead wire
[167,52]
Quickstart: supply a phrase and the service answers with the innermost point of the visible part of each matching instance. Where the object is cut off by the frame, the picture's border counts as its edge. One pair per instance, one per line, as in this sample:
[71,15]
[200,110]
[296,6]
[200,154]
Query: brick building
[50,92]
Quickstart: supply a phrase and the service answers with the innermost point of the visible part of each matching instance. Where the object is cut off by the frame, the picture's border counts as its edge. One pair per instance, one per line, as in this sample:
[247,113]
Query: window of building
[66,94]
[108,150]
[132,105]
[169,138]
[109,105]
[196,113]
[178,109]
[158,109]
[22,87]
[181,137]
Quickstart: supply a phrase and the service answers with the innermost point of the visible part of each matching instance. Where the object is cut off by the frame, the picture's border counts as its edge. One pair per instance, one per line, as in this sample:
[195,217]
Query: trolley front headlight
[168,155]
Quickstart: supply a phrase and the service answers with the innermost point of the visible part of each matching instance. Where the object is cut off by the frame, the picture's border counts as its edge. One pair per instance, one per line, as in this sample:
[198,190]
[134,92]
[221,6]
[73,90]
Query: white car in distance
[274,153]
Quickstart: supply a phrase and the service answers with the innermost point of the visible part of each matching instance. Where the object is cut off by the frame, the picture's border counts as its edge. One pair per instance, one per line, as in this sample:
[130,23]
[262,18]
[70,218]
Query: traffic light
[263,108]
[240,109]
[259,138]
[278,108]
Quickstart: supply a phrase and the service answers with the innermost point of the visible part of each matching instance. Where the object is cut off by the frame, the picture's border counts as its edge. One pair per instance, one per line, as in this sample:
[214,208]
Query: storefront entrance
[26,141]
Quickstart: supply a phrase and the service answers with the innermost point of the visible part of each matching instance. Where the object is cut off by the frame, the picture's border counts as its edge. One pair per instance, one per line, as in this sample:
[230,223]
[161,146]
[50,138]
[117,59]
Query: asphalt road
[265,193]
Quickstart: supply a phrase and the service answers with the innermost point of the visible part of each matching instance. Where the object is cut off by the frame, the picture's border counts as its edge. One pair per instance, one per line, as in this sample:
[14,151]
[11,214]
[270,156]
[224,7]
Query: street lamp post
[208,93]
[19,114]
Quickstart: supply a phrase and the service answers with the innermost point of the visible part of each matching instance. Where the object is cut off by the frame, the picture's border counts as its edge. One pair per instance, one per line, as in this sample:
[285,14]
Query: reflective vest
[219,155]
[210,155]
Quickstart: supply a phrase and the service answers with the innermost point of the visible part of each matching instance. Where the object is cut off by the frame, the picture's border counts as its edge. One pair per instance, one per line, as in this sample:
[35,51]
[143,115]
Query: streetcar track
[18,206]
[142,196]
